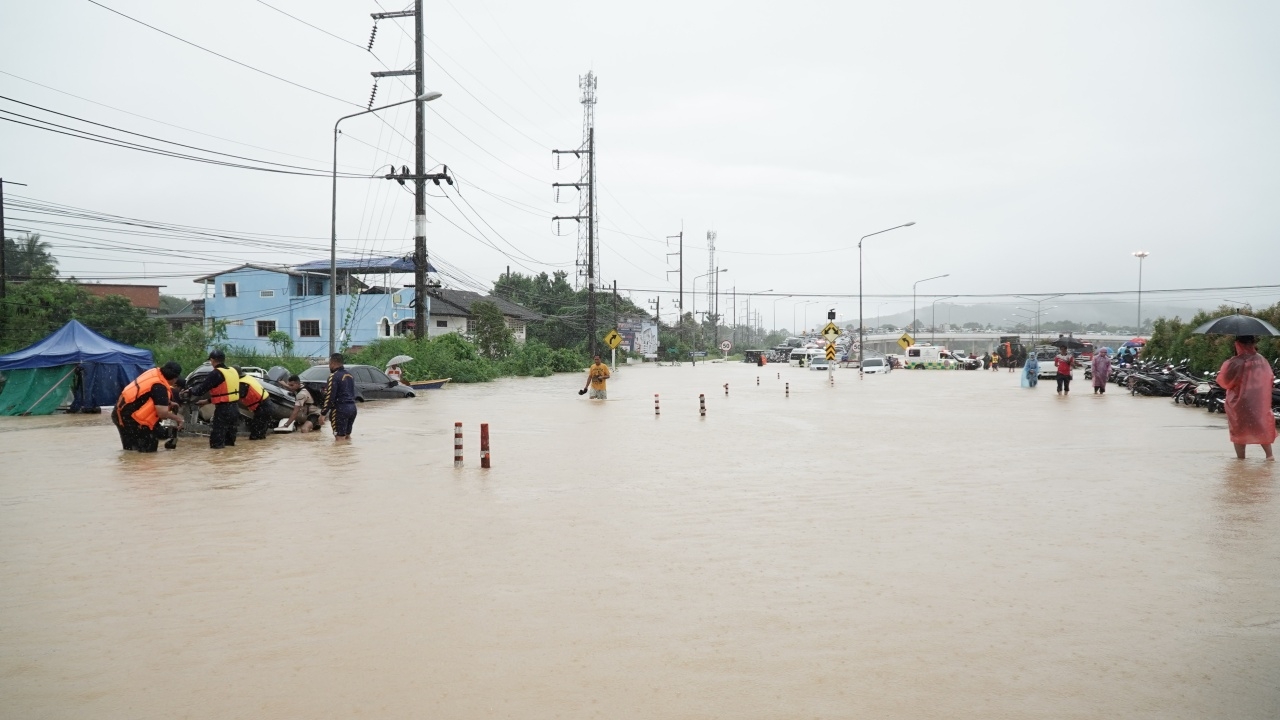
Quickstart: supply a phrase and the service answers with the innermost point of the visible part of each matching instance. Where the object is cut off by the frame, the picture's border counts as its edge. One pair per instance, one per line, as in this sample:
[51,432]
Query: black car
[371,383]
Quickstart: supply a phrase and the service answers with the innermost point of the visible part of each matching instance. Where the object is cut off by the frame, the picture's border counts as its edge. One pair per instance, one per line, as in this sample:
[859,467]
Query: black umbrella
[1236,325]
[1068,342]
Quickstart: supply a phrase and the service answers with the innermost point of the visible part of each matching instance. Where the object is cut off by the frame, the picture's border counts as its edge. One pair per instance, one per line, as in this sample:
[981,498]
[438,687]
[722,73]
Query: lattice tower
[713,280]
[589,231]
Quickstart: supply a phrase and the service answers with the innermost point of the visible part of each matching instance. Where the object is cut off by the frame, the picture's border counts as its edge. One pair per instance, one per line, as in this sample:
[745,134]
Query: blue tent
[74,359]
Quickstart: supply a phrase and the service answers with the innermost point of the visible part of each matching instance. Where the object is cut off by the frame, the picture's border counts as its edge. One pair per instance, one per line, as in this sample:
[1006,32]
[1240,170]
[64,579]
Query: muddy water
[922,544]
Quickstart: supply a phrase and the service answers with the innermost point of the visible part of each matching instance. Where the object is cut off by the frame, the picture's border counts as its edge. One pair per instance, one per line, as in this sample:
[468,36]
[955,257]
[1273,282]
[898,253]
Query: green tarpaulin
[37,391]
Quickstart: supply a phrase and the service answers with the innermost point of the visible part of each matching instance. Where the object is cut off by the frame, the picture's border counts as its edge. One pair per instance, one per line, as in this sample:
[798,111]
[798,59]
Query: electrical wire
[224,57]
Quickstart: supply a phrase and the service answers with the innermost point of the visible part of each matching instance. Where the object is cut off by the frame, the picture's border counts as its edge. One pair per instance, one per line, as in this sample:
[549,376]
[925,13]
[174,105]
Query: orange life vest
[227,391]
[135,401]
[251,392]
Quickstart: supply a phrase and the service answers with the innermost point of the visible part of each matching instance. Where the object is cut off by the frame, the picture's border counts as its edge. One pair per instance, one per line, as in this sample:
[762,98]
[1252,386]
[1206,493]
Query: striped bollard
[788,389]
[702,405]
[457,444]
[656,411]
[757,381]
[726,389]
[779,376]
[484,445]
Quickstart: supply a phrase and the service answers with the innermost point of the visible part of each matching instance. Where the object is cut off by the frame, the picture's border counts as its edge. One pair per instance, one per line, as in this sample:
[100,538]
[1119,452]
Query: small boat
[429,384]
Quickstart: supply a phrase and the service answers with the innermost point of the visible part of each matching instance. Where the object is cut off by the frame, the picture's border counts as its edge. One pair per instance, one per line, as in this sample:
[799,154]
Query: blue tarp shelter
[75,360]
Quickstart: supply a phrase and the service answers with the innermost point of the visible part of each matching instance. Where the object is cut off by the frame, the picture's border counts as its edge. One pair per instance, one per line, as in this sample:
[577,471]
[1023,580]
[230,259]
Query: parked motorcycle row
[1159,377]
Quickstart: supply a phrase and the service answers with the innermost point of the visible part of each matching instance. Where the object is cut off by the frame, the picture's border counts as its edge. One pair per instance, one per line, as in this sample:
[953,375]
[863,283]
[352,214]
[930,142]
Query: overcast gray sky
[1036,145]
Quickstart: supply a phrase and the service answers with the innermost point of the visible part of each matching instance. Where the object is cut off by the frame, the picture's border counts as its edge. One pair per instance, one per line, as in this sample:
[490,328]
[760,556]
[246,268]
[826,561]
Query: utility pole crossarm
[389,15]
[392,73]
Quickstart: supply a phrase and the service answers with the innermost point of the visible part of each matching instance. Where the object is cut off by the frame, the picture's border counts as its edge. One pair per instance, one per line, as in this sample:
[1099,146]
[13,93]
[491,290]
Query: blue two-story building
[255,300]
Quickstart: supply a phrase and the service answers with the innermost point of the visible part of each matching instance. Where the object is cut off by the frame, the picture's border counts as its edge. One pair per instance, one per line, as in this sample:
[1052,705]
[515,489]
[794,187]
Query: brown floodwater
[921,544]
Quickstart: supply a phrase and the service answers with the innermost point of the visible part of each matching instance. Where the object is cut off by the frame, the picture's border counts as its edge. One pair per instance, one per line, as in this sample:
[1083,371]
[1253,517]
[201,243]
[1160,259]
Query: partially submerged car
[371,383]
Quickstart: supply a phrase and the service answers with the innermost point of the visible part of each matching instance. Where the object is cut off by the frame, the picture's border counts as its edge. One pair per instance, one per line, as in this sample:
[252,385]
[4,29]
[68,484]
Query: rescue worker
[142,405]
[223,387]
[254,398]
[340,398]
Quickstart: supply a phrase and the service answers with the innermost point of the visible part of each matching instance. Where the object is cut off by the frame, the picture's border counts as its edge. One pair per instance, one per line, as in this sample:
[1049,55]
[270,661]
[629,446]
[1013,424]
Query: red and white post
[702,405]
[656,411]
[484,445]
[457,444]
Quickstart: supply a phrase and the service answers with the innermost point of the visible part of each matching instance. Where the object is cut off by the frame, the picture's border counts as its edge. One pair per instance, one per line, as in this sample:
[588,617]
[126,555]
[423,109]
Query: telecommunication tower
[588,232]
[713,280]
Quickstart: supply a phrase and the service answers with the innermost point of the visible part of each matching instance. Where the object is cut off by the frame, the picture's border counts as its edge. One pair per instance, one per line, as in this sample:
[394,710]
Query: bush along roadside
[452,356]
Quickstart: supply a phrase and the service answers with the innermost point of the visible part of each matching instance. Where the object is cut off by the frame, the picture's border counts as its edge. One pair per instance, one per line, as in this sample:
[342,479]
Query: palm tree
[29,258]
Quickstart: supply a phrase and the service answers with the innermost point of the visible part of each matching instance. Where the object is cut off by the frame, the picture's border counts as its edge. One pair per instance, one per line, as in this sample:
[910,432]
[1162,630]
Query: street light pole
[861,334]
[913,297]
[933,318]
[1036,340]
[427,96]
[775,311]
[694,291]
[1141,255]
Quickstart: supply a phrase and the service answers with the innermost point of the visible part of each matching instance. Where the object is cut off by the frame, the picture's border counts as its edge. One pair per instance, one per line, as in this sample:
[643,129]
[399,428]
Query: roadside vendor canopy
[73,360]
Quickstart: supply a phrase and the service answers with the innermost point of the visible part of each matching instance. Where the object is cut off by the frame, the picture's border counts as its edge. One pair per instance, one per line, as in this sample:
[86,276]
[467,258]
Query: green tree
[280,343]
[29,258]
[170,304]
[492,336]
[36,308]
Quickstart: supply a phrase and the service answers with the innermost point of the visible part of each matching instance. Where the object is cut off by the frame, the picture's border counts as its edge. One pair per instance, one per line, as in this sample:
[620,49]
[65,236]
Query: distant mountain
[1007,315]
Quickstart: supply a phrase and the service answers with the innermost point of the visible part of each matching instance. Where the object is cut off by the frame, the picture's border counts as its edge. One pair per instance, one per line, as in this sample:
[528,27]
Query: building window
[266,327]
[229,290]
[516,326]
[308,328]
[442,323]
[384,328]
[471,326]
[266,293]
[298,288]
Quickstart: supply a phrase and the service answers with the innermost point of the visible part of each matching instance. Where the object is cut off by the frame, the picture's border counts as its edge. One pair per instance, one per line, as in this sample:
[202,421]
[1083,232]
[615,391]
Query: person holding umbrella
[1248,380]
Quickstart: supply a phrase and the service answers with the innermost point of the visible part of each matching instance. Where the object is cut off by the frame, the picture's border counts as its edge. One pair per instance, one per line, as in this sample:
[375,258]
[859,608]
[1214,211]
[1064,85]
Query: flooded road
[922,544]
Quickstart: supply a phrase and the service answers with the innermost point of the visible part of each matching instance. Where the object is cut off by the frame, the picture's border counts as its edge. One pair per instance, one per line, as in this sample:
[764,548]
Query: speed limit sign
[726,346]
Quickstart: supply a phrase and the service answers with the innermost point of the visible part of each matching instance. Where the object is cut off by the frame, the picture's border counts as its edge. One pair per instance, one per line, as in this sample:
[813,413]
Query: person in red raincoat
[1248,379]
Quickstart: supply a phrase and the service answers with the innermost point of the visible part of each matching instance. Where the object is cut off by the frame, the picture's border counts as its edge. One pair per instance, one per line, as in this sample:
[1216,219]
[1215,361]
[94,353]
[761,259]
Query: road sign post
[831,333]
[725,347]
[613,340]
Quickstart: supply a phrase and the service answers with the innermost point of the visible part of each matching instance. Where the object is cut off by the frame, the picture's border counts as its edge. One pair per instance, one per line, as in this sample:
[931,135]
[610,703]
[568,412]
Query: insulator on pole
[372,34]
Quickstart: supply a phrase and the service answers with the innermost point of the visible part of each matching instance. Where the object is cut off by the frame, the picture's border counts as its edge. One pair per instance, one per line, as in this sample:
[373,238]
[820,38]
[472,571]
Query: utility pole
[588,250]
[680,300]
[419,176]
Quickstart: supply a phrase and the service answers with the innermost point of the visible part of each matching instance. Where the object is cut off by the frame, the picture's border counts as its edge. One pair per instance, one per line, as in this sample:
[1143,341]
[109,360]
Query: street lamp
[695,290]
[933,318]
[333,238]
[775,311]
[913,297]
[1141,255]
[861,337]
[750,327]
[793,314]
[1037,302]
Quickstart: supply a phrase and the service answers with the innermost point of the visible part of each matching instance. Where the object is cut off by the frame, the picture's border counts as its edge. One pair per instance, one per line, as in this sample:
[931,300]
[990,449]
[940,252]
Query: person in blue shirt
[340,398]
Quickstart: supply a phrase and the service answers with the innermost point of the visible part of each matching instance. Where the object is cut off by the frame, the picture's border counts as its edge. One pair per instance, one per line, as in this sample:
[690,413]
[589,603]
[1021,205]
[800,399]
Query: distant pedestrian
[986,361]
[597,374]
[1248,380]
[340,398]
[1101,366]
[1064,361]
[395,373]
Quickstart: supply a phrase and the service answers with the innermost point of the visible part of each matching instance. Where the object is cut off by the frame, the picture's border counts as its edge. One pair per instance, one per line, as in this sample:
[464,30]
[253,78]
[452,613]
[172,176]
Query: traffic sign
[906,341]
[613,339]
[831,352]
[726,346]
[831,332]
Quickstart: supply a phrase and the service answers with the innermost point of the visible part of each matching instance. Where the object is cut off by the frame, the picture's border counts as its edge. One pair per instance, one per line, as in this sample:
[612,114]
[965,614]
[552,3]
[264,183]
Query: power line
[313,27]
[224,57]
[905,296]
[148,137]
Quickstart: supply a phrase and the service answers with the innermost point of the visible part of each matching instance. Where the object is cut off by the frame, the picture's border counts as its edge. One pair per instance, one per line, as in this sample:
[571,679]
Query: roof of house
[459,302]
[249,266]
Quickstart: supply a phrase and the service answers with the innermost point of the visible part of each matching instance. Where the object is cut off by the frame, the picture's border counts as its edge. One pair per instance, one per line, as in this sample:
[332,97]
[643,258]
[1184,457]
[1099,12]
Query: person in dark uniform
[254,398]
[142,405]
[223,388]
[340,398]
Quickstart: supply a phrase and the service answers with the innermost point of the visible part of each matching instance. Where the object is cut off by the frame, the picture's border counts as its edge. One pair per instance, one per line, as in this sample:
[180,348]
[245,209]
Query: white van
[929,356]
[803,357]
[875,365]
